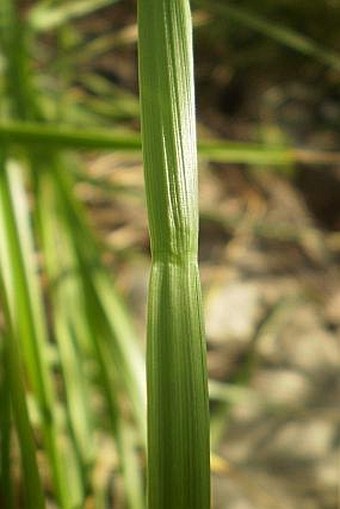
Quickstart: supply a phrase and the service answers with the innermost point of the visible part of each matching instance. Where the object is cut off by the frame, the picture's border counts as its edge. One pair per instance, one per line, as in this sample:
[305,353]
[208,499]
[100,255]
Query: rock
[303,343]
[282,387]
[303,440]
[232,311]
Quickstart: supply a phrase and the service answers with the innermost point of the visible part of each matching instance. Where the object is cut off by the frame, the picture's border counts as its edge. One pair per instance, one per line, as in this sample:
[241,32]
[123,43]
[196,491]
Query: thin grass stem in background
[63,137]
[178,416]
[6,484]
[34,498]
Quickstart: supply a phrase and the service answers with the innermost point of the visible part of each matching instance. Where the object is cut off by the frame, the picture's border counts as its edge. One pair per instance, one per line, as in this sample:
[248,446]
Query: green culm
[178,417]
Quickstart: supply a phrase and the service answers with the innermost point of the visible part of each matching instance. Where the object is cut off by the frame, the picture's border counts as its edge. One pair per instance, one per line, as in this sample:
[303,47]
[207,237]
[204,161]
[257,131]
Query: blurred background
[268,110]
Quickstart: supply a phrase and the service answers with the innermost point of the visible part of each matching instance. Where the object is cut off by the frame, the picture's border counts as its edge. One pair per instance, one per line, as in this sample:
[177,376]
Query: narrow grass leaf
[64,137]
[6,484]
[105,322]
[17,261]
[65,293]
[124,345]
[34,498]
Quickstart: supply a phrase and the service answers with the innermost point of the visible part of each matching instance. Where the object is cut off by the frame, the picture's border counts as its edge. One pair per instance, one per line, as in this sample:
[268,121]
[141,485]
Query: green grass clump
[64,308]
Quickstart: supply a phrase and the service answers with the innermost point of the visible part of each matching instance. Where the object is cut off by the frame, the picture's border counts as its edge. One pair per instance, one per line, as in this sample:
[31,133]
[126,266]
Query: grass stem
[178,417]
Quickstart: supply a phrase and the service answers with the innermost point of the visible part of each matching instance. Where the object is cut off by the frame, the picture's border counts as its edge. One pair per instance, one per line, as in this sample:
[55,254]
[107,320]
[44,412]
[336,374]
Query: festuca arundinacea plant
[178,474]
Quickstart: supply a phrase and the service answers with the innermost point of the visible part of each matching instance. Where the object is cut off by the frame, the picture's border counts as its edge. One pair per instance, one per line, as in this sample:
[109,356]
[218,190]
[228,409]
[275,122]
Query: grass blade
[178,418]
[110,336]
[6,487]
[12,367]
[123,342]
[33,490]
[64,295]
[18,266]
[32,134]
[64,248]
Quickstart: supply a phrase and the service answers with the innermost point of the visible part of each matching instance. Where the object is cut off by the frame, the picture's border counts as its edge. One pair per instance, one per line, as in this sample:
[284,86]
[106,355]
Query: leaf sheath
[178,419]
